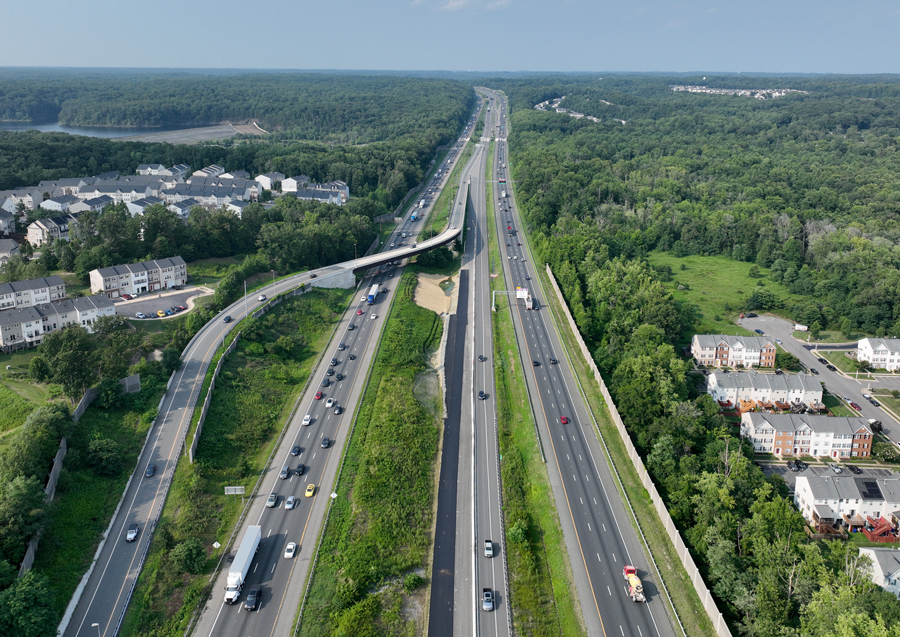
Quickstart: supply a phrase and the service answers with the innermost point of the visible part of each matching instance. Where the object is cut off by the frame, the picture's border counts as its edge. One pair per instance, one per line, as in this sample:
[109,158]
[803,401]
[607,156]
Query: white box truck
[237,573]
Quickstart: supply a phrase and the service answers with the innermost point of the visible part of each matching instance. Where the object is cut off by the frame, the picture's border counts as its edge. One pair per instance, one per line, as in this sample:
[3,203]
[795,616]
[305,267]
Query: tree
[815,330]
[104,456]
[846,328]
[22,508]
[189,556]
[786,360]
[27,608]
[109,392]
[69,355]
[884,451]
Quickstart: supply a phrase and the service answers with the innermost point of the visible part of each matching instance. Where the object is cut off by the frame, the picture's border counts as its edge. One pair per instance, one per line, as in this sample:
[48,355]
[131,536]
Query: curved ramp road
[105,592]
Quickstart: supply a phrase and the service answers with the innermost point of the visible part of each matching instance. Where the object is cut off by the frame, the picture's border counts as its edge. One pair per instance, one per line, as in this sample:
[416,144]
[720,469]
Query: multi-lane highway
[597,530]
[100,603]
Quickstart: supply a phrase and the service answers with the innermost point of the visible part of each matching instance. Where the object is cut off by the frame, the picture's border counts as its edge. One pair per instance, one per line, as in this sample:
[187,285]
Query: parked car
[813,371]
[141,315]
[855,406]
[127,297]
[272,500]
[874,402]
[823,361]
[854,469]
[831,368]
[759,332]
[792,465]
[161,313]
[750,315]
[181,308]
[836,468]
[802,466]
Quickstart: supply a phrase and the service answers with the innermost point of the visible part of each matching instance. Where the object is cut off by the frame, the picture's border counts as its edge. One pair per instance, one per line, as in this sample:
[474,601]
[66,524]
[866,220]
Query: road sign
[234,490]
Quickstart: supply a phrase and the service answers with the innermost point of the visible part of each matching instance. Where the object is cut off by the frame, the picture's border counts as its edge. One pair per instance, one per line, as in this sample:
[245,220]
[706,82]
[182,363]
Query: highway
[596,527]
[100,602]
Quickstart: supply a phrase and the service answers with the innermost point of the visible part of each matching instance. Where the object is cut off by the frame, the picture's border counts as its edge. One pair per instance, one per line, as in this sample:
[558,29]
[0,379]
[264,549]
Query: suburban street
[838,384]
[593,517]
[99,604]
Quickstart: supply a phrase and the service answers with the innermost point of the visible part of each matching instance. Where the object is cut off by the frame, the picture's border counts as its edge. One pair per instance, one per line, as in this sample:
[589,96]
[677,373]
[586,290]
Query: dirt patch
[185,135]
[430,295]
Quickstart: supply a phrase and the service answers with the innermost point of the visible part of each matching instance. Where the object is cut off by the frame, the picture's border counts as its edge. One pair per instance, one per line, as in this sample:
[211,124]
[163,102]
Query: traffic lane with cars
[836,383]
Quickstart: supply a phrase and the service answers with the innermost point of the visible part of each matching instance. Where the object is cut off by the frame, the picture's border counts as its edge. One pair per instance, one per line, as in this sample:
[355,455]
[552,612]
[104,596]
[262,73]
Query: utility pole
[245,298]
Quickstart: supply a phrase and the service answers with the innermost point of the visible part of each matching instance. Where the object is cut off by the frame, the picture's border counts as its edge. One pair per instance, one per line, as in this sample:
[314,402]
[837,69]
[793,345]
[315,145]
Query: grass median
[254,394]
[684,597]
[542,595]
[375,550]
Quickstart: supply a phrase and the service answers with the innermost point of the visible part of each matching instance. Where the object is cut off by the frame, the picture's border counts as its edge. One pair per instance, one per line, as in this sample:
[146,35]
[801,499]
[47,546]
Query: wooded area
[805,184]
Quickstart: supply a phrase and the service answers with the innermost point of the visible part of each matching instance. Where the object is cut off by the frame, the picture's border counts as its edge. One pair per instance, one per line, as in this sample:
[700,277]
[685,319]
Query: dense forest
[806,184]
[338,108]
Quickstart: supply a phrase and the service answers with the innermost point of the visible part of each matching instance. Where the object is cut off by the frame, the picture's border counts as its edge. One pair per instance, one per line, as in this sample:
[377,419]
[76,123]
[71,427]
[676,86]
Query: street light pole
[95,624]
[355,256]
[245,298]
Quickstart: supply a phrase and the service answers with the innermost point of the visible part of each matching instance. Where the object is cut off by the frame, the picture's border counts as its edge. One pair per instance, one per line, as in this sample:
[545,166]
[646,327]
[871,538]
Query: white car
[261,297]
[329,403]
[778,340]
[290,551]
[290,502]
[373,317]
[307,419]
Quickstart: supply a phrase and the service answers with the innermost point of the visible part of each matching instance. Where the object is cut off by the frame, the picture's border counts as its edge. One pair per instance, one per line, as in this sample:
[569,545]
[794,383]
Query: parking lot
[149,303]
[823,471]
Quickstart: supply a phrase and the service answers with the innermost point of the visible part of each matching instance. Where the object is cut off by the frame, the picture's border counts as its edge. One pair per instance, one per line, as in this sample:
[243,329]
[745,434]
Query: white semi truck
[237,573]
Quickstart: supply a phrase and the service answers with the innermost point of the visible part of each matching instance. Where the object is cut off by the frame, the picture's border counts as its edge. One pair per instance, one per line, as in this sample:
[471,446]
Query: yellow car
[310,490]
[160,314]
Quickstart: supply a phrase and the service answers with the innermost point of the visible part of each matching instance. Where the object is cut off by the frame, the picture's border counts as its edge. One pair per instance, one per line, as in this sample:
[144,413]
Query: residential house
[66,186]
[183,208]
[237,207]
[132,278]
[847,501]
[8,247]
[716,350]
[180,171]
[333,186]
[881,353]
[120,192]
[236,174]
[292,184]
[753,386]
[138,207]
[50,229]
[97,204]
[152,169]
[885,568]
[7,221]
[210,171]
[807,435]
[25,327]
[29,197]
[269,180]
[245,189]
[59,204]
[322,196]
[31,292]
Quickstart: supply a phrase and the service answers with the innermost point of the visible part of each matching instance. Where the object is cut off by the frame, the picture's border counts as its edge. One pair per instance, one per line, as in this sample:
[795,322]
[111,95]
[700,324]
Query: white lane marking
[589,528]
[639,630]
[273,567]
[598,558]
[614,558]
[623,632]
[604,527]
[582,501]
[610,591]
[595,500]
[270,533]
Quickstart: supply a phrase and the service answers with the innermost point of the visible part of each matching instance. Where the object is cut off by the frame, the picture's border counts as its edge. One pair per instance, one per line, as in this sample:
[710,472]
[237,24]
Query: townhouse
[210,171]
[32,292]
[322,196]
[716,350]
[50,229]
[7,221]
[134,278]
[8,247]
[97,204]
[269,180]
[808,435]
[120,192]
[138,207]
[865,503]
[881,353]
[753,386]
[60,203]
[66,186]
[885,568]
[183,208]
[25,327]
[152,169]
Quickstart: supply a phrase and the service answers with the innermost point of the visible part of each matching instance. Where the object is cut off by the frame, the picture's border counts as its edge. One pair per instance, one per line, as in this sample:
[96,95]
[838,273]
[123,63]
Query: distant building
[138,207]
[152,169]
[236,174]
[806,435]
[716,350]
[844,501]
[97,204]
[8,248]
[210,171]
[50,229]
[183,208]
[322,196]
[25,327]
[7,220]
[31,292]
[237,207]
[292,184]
[880,353]
[59,204]
[133,278]
[269,180]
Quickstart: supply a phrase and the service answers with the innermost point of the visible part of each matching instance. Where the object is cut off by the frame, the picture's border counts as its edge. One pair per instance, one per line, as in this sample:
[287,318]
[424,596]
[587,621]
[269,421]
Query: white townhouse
[97,204]
[881,353]
[183,208]
[8,247]
[59,204]
[885,568]
[807,435]
[210,171]
[716,350]
[138,207]
[785,388]
[292,184]
[134,278]
[269,180]
[50,229]
[25,327]
[843,500]
[7,221]
[322,196]
[152,169]
[32,292]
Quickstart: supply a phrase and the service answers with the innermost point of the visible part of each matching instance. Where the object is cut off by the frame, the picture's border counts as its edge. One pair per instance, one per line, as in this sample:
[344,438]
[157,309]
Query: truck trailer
[237,573]
[373,292]
[412,217]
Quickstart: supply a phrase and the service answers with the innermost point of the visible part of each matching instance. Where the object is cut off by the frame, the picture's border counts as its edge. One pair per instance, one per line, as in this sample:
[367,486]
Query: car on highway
[373,317]
[325,382]
[481,358]
[325,442]
[553,361]
[351,327]
[151,471]
[329,403]
[564,420]
[488,548]
[384,290]
[141,315]
[307,419]
[759,332]
[352,357]
[252,600]
[339,376]
[310,490]
[272,500]
[535,363]
[318,395]
[227,319]
[300,469]
[132,532]
[261,297]
[295,450]
[313,276]
[333,362]
[290,502]
[481,395]
[329,372]
[337,410]
[285,473]
[359,312]
[855,406]
[342,347]
[518,244]
[290,551]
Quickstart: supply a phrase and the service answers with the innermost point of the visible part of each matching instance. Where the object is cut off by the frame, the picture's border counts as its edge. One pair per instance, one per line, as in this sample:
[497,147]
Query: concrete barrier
[709,604]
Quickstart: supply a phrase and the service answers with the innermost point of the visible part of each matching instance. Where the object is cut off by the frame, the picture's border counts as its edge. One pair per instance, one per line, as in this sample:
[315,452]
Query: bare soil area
[431,296]
[187,135]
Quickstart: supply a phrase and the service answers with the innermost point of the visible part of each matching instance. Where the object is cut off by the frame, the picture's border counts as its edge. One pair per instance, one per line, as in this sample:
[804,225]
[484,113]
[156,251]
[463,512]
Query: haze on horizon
[771,36]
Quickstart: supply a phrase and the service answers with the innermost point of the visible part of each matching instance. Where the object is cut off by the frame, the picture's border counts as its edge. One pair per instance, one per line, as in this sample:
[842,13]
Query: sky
[775,36]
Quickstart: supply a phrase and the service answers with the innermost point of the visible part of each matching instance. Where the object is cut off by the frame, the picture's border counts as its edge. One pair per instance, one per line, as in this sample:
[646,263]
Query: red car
[855,406]
[359,312]
[319,395]
[127,297]
[564,420]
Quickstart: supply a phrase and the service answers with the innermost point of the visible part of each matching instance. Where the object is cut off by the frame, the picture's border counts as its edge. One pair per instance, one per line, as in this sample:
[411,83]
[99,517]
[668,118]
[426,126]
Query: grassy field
[85,501]
[376,547]
[842,362]
[209,271]
[543,595]
[837,407]
[254,394]
[687,604]
[719,286]
[14,409]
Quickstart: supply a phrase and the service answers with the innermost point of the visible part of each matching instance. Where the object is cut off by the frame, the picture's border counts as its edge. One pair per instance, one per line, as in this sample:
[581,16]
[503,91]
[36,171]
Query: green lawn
[209,271]
[836,406]
[19,361]
[841,361]
[719,286]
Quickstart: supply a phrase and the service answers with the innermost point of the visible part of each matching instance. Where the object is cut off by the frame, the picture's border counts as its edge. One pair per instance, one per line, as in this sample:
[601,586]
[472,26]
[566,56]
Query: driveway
[837,383]
[149,303]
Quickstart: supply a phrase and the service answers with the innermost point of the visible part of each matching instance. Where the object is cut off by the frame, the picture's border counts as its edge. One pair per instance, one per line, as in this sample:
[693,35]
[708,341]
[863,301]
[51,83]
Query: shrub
[413,581]
[104,456]
[189,556]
